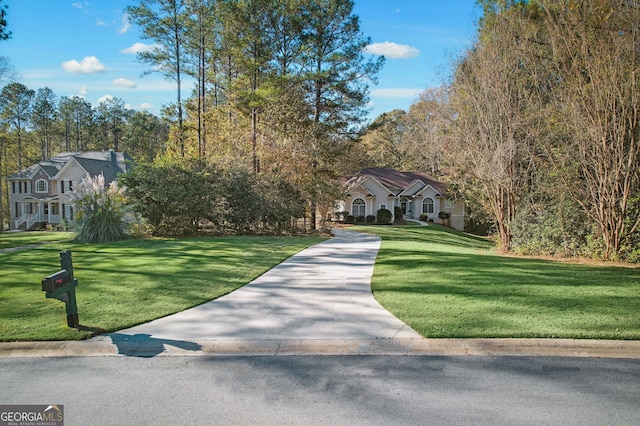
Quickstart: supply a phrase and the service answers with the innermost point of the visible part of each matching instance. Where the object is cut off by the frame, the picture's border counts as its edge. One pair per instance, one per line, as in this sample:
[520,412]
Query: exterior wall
[372,204]
[41,175]
[31,208]
[17,192]
[70,175]
[376,196]
[415,206]
[52,206]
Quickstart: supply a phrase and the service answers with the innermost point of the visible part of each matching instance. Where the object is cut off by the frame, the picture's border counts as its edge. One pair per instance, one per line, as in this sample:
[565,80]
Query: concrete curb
[103,346]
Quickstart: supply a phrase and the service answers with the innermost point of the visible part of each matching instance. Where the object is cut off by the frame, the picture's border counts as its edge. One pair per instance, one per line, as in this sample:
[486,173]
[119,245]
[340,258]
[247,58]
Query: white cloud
[145,106]
[123,82]
[89,65]
[396,93]
[83,91]
[101,23]
[392,50]
[104,98]
[125,24]
[138,47]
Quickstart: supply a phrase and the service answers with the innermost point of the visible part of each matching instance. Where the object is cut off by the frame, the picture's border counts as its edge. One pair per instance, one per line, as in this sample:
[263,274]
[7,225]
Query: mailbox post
[62,286]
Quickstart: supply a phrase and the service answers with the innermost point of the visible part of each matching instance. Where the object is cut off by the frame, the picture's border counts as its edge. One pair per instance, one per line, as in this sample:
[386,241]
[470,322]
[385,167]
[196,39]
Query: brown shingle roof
[397,181]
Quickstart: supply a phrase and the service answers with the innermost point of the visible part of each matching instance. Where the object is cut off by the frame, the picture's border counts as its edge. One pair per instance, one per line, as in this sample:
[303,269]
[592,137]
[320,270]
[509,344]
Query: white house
[39,194]
[417,194]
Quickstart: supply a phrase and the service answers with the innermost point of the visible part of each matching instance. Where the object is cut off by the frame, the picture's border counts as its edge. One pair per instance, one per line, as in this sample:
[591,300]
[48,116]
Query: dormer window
[42,186]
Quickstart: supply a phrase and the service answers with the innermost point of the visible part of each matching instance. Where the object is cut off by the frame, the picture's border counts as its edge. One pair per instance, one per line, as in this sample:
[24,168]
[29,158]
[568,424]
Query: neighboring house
[416,194]
[40,193]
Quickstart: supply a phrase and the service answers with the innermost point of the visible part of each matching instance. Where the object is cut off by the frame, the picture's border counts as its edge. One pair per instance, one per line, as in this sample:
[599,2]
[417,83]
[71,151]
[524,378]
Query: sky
[87,48]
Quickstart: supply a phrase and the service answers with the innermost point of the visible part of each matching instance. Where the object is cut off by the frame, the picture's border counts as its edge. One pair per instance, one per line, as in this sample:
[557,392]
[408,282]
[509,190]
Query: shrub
[359,219]
[181,197]
[383,216]
[555,229]
[349,219]
[370,218]
[424,217]
[140,229]
[398,215]
[100,210]
[173,196]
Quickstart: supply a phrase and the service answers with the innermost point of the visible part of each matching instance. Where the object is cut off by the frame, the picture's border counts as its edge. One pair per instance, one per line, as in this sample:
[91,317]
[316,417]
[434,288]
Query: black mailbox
[55,281]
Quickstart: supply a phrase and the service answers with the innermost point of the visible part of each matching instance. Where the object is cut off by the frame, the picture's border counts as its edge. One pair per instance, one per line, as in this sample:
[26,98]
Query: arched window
[359,207]
[42,186]
[427,206]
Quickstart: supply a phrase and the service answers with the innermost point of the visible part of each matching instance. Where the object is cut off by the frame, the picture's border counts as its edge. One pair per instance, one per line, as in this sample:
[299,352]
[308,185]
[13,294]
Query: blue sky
[87,48]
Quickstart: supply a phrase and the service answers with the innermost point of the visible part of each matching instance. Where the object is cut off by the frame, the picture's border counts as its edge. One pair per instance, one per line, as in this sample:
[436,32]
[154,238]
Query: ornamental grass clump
[100,210]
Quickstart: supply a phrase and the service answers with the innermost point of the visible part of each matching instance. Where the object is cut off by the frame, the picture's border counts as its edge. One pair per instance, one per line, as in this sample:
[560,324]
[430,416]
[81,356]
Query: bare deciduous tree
[426,126]
[492,138]
[596,46]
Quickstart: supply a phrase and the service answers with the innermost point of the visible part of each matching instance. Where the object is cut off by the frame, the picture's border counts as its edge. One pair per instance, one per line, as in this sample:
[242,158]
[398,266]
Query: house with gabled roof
[40,194]
[416,194]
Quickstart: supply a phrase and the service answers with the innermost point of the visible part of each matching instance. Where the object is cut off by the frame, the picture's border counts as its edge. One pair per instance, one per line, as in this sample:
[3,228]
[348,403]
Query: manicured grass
[19,239]
[446,284]
[130,282]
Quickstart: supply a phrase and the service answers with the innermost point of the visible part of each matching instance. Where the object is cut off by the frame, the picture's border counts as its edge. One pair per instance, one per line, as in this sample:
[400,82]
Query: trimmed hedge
[383,216]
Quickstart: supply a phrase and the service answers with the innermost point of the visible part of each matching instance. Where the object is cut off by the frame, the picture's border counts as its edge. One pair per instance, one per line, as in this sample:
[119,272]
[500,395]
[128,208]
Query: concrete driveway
[323,292]
[316,302]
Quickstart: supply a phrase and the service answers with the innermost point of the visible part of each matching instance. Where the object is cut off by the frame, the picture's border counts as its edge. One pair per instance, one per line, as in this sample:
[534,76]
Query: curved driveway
[317,302]
[323,292]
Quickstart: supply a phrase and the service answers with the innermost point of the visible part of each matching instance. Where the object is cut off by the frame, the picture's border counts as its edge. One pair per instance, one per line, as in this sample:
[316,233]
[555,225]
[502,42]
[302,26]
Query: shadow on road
[145,346]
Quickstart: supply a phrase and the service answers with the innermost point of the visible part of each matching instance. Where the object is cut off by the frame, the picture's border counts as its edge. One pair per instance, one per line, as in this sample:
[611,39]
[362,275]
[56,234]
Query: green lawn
[19,239]
[442,283]
[129,282]
[446,284]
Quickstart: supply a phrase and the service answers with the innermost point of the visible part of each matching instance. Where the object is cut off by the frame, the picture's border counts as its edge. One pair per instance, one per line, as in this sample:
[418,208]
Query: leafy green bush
[383,216]
[398,216]
[553,229]
[349,219]
[181,198]
[370,218]
[174,197]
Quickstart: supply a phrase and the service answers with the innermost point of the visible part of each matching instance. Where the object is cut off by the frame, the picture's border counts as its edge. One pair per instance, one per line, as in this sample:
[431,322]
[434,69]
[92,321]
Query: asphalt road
[328,390]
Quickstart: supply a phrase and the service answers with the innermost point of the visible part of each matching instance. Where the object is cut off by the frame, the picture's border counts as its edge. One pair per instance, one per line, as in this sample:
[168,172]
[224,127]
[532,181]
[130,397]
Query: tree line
[281,90]
[281,86]
[35,125]
[538,128]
